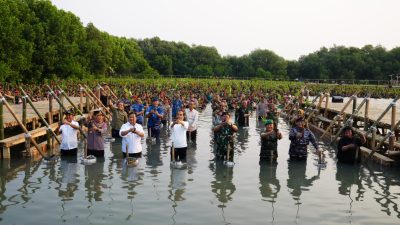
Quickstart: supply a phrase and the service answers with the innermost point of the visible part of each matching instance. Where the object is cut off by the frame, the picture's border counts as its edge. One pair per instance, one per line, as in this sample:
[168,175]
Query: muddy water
[108,192]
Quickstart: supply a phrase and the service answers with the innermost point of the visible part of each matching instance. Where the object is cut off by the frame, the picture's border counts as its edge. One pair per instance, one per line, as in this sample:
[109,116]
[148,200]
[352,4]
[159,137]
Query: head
[69,116]
[244,104]
[155,101]
[132,118]
[191,105]
[225,117]
[269,125]
[120,105]
[98,116]
[180,115]
[300,113]
[300,122]
[348,132]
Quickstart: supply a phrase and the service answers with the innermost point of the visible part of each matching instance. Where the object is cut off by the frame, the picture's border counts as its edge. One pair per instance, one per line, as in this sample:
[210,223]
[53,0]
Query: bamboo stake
[326,104]
[97,99]
[22,126]
[393,128]
[80,99]
[50,115]
[87,100]
[37,112]
[384,112]
[336,117]
[24,111]
[95,103]
[62,106]
[349,120]
[366,115]
[1,121]
[69,100]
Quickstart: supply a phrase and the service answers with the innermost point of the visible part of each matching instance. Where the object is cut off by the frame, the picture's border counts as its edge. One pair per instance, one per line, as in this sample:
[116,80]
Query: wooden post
[326,104]
[87,102]
[21,125]
[354,105]
[321,98]
[366,120]
[49,145]
[81,99]
[98,91]
[393,128]
[373,139]
[50,114]
[1,120]
[61,108]
[24,111]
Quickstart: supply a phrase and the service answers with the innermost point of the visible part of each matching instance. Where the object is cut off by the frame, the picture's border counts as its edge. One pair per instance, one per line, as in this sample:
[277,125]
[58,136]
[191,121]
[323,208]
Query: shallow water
[202,193]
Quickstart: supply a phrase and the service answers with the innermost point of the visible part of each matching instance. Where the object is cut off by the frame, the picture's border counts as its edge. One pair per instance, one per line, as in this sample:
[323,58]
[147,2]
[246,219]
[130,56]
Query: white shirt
[69,136]
[131,140]
[179,135]
[192,118]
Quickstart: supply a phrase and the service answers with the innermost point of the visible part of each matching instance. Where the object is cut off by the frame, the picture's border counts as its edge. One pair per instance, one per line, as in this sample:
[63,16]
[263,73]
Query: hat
[300,111]
[96,112]
[69,112]
[300,119]
[154,99]
[268,121]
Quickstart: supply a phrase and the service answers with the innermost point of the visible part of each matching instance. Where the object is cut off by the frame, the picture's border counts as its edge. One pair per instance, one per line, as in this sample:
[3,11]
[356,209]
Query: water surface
[108,192]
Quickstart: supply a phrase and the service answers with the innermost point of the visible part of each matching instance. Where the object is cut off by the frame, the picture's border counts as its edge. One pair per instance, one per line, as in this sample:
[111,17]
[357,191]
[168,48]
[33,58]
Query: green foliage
[39,41]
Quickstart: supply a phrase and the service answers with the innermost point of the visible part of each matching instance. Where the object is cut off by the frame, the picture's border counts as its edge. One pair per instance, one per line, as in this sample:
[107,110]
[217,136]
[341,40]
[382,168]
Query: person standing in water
[300,137]
[179,128]
[269,141]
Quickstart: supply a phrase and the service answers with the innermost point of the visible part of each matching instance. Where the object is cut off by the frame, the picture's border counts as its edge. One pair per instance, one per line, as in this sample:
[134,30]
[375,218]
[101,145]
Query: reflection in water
[176,188]
[222,186]
[383,180]
[94,178]
[297,181]
[69,177]
[242,137]
[269,184]
[349,175]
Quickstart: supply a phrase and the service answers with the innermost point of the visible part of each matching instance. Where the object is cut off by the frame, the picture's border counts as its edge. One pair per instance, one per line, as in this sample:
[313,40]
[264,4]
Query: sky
[290,28]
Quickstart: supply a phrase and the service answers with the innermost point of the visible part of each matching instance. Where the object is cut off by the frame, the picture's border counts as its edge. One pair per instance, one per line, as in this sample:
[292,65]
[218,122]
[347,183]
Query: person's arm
[73,124]
[125,130]
[139,131]
[159,112]
[311,137]
[362,138]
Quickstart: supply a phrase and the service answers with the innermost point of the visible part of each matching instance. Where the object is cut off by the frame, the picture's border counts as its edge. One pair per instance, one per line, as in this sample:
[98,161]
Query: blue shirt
[138,108]
[176,106]
[154,120]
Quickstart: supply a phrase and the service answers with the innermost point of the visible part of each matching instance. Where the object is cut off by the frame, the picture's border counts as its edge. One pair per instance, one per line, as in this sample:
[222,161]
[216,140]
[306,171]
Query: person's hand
[319,150]
[66,122]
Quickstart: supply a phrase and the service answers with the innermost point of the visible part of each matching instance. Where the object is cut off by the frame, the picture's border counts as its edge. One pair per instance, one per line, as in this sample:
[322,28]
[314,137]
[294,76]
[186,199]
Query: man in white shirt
[132,133]
[192,116]
[179,128]
[69,135]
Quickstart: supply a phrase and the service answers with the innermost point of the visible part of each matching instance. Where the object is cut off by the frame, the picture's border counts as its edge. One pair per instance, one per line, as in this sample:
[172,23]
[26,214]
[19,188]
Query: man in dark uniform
[349,146]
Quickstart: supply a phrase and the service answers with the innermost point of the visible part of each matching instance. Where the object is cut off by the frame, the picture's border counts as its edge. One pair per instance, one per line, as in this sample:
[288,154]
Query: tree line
[39,41]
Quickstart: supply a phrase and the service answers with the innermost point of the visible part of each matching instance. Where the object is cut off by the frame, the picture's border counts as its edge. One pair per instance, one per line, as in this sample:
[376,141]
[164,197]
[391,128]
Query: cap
[300,111]
[154,99]
[69,112]
[268,121]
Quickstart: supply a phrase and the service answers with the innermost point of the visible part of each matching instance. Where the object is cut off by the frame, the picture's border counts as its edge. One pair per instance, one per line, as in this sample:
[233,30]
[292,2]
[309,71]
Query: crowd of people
[178,110]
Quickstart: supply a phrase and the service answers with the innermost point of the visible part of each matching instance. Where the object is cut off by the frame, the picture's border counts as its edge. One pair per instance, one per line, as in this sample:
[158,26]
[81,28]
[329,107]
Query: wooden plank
[378,158]
[20,138]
